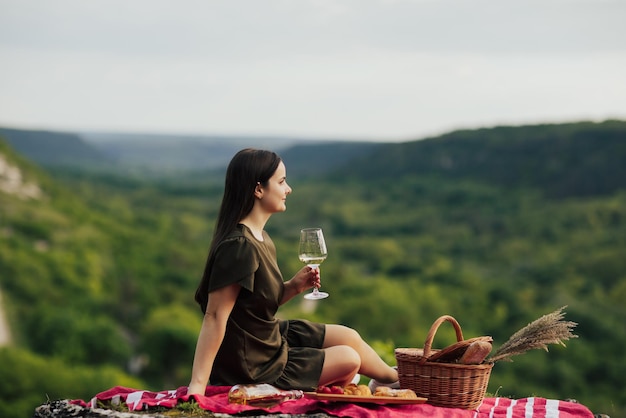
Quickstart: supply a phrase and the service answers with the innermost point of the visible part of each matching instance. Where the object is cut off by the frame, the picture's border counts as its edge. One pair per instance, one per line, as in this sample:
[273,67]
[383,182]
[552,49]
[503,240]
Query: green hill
[98,272]
[574,159]
[314,160]
[54,148]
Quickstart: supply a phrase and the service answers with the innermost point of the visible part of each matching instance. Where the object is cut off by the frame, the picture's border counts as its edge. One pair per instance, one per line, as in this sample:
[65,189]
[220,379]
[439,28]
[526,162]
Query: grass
[182,409]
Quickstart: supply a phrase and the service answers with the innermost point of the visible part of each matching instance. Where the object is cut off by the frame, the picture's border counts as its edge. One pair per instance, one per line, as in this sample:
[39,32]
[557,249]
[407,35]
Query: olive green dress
[258,347]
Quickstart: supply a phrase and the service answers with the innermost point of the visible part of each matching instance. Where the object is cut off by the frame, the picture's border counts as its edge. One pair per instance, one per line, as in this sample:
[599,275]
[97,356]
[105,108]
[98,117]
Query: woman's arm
[305,279]
[219,307]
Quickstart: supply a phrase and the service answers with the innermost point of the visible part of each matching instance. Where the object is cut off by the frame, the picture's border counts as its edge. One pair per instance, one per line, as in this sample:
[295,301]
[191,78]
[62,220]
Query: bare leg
[341,363]
[371,365]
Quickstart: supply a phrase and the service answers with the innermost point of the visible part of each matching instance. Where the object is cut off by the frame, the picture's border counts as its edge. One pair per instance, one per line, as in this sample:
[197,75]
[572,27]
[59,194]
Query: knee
[342,362]
[341,335]
[351,336]
[350,358]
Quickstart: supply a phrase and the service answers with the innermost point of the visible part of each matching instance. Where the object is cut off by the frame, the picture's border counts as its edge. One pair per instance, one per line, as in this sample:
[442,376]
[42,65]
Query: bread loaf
[395,393]
[476,352]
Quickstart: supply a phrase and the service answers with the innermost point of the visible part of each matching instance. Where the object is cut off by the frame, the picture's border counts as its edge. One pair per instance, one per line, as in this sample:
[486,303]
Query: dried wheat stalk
[549,329]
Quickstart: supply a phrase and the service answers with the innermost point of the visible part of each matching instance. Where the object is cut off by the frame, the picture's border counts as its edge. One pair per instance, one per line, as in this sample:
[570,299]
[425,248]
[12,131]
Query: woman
[241,341]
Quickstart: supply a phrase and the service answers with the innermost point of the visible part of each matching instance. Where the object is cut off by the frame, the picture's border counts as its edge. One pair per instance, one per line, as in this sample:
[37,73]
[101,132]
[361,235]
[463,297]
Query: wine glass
[313,252]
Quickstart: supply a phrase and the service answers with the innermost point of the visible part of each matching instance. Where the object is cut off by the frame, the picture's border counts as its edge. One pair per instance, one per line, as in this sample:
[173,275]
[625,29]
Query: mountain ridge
[583,158]
[553,157]
[53,148]
[137,151]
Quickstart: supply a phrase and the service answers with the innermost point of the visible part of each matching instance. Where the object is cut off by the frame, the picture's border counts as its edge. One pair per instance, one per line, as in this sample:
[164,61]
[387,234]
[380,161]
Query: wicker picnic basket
[444,384]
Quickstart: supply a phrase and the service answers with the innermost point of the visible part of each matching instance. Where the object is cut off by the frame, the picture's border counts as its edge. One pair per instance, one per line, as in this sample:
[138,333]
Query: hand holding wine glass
[313,252]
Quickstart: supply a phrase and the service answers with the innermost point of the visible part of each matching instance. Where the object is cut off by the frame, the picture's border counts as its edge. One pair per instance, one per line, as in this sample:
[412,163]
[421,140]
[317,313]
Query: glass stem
[315,266]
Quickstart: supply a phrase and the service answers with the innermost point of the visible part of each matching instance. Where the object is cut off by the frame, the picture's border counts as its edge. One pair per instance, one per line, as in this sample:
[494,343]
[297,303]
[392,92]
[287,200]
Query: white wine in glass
[313,252]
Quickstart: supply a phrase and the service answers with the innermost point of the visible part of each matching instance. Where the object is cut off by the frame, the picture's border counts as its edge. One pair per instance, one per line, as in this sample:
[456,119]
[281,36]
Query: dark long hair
[248,168]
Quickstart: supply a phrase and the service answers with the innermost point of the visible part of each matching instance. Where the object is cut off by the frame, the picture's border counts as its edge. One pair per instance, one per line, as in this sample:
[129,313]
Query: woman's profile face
[275,192]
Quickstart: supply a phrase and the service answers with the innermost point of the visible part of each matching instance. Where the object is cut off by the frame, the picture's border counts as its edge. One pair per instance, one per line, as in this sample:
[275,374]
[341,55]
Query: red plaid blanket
[216,400]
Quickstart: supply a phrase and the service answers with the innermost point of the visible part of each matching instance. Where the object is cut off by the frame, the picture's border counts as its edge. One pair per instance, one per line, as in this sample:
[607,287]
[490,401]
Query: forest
[493,226]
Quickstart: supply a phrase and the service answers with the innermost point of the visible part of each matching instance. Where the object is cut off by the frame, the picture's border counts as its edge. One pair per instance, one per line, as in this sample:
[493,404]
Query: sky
[383,70]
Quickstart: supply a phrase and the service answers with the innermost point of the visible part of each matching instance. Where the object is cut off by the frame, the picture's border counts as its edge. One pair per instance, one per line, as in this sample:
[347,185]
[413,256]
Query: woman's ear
[258,191]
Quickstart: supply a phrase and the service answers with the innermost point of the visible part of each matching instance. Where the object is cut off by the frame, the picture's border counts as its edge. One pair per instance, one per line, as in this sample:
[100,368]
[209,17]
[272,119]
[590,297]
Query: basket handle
[433,330]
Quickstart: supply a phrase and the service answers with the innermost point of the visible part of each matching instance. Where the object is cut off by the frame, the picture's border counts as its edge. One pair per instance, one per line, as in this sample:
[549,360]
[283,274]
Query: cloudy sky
[353,69]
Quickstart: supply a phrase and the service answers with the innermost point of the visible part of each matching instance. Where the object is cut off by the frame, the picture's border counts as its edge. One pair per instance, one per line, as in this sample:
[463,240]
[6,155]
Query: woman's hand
[307,278]
[303,280]
[196,389]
